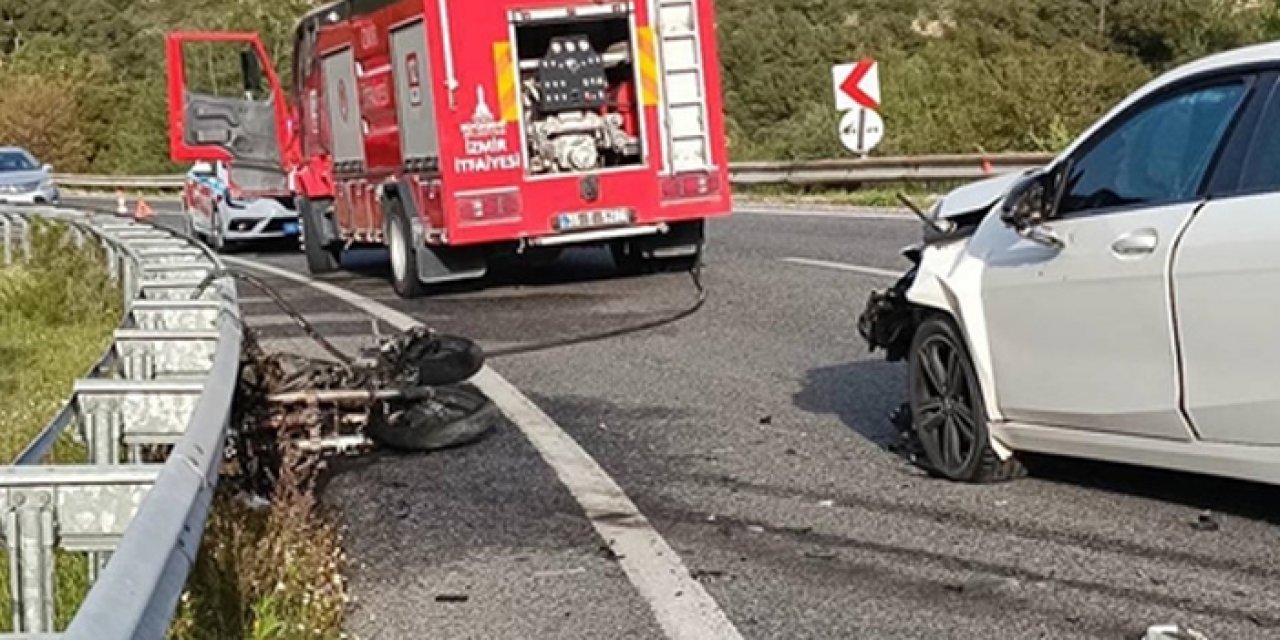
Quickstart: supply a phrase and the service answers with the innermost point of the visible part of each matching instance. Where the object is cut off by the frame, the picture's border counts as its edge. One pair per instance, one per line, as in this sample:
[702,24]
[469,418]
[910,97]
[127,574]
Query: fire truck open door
[235,113]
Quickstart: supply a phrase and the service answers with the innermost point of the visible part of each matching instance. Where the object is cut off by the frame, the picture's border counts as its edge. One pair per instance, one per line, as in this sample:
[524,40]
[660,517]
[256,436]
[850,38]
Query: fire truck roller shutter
[415,96]
[343,105]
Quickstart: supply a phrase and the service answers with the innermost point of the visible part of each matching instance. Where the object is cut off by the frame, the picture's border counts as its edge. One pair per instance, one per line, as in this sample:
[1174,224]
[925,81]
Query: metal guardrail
[163,391]
[112,183]
[868,171]
[844,172]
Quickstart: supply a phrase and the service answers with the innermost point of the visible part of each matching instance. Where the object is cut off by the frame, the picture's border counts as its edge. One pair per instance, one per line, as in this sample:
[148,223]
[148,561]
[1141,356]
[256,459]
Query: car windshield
[16,161]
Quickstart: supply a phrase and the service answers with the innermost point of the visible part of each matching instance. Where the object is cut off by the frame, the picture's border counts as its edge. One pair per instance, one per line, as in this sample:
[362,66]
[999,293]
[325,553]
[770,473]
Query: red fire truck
[449,130]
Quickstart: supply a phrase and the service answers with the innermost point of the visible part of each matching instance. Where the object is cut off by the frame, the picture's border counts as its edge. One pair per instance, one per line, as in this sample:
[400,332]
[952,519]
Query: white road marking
[683,608]
[869,213]
[851,268]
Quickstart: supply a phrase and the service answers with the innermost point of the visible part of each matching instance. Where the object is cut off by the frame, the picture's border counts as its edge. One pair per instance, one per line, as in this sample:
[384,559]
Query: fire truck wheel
[320,257]
[404,258]
[452,417]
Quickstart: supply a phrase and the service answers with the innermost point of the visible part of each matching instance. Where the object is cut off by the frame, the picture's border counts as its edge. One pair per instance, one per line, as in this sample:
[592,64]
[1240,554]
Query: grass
[272,573]
[57,313]
[886,197]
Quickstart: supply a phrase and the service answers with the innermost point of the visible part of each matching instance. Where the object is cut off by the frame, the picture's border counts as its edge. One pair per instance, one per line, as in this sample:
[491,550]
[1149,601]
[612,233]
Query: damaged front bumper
[888,322]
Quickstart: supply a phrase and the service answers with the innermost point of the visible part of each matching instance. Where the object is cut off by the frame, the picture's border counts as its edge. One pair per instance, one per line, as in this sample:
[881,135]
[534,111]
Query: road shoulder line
[840,266]
[682,606]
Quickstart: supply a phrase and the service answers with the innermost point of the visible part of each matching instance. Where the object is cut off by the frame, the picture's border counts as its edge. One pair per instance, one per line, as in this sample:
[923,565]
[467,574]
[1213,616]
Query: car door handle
[1136,244]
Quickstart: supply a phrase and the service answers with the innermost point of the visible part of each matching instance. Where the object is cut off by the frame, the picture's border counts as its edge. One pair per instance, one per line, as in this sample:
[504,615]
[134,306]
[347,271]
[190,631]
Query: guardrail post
[113,260]
[8,239]
[127,279]
[103,432]
[26,239]
[29,533]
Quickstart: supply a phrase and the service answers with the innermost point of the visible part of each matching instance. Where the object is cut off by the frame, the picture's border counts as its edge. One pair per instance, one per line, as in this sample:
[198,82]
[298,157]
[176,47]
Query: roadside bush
[270,573]
[62,285]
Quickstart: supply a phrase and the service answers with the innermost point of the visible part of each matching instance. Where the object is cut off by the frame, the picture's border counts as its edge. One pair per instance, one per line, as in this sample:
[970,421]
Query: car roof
[1246,56]
[14,149]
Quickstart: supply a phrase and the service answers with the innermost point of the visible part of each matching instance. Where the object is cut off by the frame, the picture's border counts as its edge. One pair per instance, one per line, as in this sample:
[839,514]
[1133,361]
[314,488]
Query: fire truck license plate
[593,219]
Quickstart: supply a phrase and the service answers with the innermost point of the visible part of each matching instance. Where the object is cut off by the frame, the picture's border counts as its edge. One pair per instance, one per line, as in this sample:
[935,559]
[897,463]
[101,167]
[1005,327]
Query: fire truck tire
[321,257]
[404,256]
[454,416]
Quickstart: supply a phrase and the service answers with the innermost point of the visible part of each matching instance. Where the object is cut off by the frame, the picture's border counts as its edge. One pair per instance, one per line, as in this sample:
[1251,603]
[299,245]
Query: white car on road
[224,218]
[1121,304]
[23,180]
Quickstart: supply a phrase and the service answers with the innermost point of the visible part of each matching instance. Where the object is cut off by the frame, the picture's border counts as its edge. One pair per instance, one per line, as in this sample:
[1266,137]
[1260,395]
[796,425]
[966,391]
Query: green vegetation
[267,574]
[84,79]
[923,195]
[57,312]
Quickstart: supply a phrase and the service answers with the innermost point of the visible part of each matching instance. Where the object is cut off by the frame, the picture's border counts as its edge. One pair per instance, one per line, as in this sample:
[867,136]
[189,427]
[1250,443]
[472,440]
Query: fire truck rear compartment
[580,107]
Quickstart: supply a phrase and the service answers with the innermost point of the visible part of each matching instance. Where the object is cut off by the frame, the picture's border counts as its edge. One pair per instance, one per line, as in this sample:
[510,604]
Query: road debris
[1173,632]
[1207,521]
[820,554]
[560,573]
[452,597]
[704,575]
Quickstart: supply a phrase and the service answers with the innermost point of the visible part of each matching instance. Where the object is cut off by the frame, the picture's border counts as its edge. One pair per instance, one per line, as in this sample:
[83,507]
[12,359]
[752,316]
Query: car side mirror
[47,168]
[1032,202]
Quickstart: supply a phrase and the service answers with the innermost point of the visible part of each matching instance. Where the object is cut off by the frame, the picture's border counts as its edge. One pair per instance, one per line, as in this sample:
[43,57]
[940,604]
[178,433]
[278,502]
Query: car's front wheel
[948,414]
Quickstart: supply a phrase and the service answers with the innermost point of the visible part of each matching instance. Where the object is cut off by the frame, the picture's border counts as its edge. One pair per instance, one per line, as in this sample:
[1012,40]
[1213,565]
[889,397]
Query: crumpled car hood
[976,197]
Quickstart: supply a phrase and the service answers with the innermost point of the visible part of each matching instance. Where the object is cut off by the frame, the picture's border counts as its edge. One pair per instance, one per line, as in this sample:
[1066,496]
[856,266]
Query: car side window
[1159,155]
[1261,171]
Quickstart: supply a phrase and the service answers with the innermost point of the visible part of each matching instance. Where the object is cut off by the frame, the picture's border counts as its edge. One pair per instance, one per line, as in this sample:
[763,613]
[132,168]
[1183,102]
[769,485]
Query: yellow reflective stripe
[649,87]
[506,82]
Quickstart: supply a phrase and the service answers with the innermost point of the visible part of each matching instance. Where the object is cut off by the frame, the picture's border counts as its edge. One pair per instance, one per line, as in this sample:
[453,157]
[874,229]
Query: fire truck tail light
[488,208]
[690,185]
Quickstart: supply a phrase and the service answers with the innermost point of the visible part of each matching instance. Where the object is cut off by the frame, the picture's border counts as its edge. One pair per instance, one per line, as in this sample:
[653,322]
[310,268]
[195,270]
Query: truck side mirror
[251,71]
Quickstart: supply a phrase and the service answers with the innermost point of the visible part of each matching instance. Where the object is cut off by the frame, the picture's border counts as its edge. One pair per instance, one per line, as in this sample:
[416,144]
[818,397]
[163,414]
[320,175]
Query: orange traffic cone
[143,211]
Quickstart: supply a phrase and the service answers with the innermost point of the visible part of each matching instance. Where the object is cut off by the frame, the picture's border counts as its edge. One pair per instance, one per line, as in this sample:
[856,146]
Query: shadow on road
[862,394]
[577,265]
[1221,495]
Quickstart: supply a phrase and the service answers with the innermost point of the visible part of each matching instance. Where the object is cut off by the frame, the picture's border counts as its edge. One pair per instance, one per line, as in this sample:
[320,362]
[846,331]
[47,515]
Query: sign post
[857,89]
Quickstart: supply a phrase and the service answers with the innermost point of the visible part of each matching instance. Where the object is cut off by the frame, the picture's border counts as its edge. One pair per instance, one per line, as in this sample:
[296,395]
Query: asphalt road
[753,436]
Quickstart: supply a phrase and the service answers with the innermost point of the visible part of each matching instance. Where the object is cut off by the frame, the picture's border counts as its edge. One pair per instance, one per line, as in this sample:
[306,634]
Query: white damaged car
[1120,304]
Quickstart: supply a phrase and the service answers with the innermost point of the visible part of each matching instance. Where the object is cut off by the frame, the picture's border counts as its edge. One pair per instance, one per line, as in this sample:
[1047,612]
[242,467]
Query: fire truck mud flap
[436,264]
[450,264]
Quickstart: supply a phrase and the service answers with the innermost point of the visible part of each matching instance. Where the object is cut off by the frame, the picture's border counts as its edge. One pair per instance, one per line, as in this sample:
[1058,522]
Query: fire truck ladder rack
[683,85]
